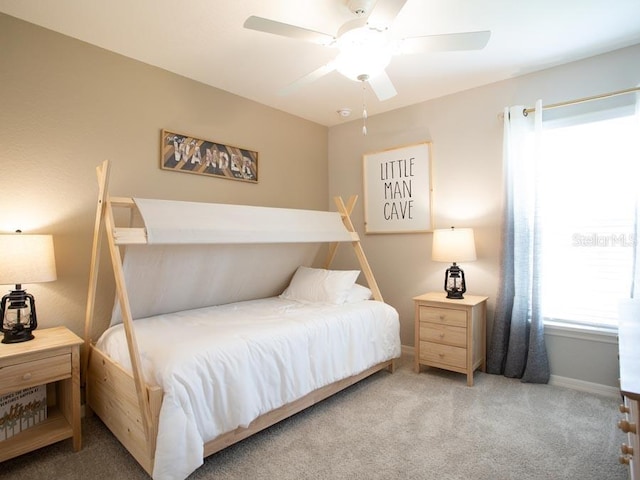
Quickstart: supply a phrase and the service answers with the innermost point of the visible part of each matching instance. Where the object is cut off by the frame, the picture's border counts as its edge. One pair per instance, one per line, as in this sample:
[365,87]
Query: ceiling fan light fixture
[363,51]
[365,44]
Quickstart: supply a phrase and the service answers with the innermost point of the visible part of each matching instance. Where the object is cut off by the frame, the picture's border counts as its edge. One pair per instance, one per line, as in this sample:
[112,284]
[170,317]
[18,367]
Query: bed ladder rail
[345,211]
[105,221]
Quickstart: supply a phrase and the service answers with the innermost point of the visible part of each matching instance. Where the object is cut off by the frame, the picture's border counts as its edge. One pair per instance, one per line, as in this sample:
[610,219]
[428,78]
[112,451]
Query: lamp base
[454,283]
[455,295]
[17,336]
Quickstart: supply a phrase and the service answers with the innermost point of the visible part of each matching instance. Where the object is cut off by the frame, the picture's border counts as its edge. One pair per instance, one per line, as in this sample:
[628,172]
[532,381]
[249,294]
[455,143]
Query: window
[590,178]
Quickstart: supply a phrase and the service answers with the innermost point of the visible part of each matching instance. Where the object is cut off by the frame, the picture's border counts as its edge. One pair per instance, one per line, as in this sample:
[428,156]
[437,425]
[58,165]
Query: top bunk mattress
[221,367]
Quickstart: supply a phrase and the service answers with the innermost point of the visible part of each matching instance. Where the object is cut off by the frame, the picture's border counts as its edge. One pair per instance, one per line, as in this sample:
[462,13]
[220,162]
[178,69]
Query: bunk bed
[222,326]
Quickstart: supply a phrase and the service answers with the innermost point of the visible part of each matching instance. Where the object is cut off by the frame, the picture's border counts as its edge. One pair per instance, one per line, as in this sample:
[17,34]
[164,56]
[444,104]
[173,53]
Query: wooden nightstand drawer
[444,316]
[437,333]
[435,353]
[36,372]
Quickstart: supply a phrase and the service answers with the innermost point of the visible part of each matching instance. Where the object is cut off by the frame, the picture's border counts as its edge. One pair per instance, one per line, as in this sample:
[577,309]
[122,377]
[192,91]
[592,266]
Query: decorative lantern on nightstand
[454,245]
[23,259]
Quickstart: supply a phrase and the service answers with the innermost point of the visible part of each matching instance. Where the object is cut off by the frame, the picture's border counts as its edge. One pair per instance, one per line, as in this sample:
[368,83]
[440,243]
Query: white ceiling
[205,40]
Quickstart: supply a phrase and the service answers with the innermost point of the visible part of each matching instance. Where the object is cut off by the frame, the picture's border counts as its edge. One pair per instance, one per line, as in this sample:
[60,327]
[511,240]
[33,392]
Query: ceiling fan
[365,46]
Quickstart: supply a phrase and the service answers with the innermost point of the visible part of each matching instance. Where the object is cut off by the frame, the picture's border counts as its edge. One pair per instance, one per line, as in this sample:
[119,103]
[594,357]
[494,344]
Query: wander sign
[397,190]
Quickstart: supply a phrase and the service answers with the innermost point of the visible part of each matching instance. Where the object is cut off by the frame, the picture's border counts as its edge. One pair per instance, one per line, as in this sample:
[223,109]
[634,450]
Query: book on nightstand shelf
[22,409]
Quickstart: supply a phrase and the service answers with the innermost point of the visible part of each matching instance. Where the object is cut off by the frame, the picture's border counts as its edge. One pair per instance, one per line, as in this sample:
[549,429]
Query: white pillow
[317,285]
[358,293]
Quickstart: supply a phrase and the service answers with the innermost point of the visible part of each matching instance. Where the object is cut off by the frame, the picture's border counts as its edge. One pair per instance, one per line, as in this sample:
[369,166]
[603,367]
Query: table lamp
[454,245]
[23,259]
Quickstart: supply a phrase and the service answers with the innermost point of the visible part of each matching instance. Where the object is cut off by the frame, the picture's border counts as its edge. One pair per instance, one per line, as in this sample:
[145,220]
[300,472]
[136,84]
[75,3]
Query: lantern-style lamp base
[455,295]
[17,336]
[454,283]
[19,316]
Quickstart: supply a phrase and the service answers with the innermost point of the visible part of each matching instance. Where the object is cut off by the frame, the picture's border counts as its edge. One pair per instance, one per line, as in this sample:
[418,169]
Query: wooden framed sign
[186,153]
[397,190]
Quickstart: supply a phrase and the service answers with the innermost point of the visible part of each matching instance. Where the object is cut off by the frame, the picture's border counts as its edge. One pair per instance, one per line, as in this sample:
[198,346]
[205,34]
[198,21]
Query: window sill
[582,332]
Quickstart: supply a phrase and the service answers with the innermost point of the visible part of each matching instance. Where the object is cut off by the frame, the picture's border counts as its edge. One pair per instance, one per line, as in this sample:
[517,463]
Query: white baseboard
[574,384]
[581,385]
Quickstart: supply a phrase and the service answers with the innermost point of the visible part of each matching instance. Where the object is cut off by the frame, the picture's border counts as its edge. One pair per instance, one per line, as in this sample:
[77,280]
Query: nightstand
[451,334]
[51,358]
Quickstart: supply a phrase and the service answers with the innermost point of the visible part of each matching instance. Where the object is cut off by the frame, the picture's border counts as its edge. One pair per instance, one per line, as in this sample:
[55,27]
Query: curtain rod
[526,111]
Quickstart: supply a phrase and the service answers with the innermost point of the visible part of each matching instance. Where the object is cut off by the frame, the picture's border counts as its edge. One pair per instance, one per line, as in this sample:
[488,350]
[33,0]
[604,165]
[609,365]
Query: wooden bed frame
[124,401]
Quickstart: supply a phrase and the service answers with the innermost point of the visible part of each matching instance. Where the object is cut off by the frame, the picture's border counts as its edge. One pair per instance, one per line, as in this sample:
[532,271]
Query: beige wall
[466,136]
[66,106]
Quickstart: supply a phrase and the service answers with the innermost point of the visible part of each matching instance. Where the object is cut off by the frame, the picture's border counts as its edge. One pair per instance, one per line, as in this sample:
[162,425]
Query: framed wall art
[185,153]
[397,190]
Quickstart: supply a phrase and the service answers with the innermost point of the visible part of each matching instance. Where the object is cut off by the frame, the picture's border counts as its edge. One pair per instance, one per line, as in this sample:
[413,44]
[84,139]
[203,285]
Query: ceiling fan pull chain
[363,78]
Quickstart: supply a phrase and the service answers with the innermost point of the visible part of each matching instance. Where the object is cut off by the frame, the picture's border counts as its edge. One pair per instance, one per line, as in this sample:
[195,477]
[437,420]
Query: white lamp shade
[453,245]
[26,259]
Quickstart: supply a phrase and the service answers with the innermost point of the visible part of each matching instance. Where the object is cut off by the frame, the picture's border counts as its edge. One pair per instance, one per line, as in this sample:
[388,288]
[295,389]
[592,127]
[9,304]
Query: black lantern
[454,283]
[23,259]
[19,316]
[454,245]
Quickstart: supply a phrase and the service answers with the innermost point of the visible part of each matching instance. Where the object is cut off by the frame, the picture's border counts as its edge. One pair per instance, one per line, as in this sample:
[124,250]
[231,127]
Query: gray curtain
[517,348]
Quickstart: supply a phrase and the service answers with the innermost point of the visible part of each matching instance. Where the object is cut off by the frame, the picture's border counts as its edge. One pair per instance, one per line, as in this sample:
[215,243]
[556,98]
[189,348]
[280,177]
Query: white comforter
[221,367]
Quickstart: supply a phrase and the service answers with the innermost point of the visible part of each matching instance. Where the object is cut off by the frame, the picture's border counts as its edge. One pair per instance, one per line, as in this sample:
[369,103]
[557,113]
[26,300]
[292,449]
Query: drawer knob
[27,376]
[623,408]
[627,427]
[624,460]
[626,449]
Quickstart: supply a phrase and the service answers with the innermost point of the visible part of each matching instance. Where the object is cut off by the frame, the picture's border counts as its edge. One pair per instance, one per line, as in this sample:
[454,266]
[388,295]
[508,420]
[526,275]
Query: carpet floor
[392,426]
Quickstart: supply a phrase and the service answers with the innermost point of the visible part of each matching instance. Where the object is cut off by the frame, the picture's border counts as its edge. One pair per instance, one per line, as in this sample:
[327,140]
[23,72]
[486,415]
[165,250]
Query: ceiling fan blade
[384,13]
[382,86]
[446,42]
[308,78]
[285,30]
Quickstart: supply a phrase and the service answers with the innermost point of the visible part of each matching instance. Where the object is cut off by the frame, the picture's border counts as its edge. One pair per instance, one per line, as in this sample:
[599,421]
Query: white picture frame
[398,190]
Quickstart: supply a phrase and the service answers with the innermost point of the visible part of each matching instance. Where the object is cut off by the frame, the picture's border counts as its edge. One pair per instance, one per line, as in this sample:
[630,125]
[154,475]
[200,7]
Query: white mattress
[221,367]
